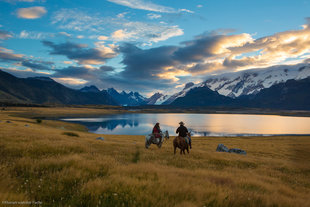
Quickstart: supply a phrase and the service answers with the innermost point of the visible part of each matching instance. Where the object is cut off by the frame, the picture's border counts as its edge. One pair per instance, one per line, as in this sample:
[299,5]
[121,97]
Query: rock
[238,151]
[26,125]
[8,122]
[222,148]
[100,138]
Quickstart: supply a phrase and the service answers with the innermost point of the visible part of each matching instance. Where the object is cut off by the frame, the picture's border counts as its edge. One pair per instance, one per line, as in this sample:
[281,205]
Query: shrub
[39,121]
[72,134]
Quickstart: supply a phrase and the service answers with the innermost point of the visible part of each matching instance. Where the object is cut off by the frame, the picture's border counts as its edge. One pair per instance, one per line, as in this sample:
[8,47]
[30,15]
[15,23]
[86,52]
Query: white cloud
[199,6]
[74,19]
[65,34]
[144,5]
[123,30]
[31,12]
[153,16]
[34,35]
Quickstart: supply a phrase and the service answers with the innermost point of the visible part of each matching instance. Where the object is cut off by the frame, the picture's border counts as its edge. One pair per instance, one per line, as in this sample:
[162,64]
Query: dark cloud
[81,52]
[7,56]
[145,64]
[75,72]
[37,65]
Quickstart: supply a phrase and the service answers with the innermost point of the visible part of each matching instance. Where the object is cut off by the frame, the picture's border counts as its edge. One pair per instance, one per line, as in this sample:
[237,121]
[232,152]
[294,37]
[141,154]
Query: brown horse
[180,143]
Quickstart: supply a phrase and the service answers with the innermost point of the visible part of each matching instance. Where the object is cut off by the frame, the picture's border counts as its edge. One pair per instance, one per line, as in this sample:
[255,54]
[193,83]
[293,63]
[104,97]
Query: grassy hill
[60,164]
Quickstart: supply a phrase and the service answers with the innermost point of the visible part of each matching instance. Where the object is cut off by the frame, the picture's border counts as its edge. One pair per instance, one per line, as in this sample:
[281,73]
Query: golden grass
[39,163]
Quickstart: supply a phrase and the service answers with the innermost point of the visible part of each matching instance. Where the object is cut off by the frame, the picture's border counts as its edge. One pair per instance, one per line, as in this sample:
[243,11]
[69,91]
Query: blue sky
[149,45]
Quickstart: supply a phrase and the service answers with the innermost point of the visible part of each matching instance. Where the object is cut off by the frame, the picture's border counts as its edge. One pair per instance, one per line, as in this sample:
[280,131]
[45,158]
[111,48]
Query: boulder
[223,148]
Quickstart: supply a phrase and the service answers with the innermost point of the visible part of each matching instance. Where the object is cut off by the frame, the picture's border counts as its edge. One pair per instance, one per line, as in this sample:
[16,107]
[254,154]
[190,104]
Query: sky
[149,45]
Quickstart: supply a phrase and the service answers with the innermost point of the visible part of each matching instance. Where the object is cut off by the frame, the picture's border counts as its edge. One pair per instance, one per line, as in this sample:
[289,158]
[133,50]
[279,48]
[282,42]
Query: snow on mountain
[127,99]
[170,99]
[156,99]
[252,81]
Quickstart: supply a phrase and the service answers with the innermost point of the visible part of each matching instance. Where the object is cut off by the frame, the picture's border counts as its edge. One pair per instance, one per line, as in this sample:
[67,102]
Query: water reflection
[199,124]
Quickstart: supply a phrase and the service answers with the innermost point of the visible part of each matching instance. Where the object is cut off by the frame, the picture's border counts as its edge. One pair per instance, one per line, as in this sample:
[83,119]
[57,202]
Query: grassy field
[60,164]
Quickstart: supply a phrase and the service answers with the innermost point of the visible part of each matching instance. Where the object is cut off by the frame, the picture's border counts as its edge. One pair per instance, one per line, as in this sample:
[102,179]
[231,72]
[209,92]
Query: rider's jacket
[182,130]
[156,131]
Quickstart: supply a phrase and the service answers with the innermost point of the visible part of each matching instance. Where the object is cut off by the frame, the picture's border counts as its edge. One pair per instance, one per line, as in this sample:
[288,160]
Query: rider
[183,132]
[157,131]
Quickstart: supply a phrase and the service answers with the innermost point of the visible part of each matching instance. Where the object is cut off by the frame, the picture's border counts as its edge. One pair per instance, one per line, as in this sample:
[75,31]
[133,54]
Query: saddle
[186,139]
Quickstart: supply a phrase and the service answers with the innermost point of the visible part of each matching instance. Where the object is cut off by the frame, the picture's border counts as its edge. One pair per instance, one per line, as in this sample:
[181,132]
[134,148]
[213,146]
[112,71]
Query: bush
[39,121]
[72,134]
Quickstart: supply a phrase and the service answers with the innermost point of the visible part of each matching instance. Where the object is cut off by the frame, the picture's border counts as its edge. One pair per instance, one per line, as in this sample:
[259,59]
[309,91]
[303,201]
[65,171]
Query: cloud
[31,12]
[7,55]
[74,19]
[123,30]
[34,35]
[153,16]
[37,65]
[146,32]
[70,81]
[101,37]
[81,52]
[4,35]
[144,5]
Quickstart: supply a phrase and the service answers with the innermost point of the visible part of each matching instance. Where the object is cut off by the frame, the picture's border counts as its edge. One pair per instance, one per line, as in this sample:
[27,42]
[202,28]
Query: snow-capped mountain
[252,81]
[244,82]
[182,93]
[127,99]
[156,99]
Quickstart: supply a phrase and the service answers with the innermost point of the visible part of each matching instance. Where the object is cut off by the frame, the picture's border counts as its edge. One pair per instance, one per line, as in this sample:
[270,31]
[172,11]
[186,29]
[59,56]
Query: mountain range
[284,87]
[43,90]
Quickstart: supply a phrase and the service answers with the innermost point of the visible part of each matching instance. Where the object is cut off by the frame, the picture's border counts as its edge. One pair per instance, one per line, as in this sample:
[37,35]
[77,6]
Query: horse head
[167,134]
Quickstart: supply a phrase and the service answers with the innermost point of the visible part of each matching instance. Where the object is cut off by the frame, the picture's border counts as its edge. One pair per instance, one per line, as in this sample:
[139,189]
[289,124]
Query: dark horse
[181,143]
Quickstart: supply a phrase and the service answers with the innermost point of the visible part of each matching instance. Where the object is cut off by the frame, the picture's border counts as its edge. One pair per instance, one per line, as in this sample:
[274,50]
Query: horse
[180,142]
[150,139]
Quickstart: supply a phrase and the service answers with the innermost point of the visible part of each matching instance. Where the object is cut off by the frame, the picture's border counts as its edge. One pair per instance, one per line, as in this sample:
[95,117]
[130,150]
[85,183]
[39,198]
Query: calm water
[199,124]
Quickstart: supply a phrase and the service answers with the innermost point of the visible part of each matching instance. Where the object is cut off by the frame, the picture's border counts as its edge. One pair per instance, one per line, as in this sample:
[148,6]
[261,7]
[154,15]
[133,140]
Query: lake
[199,124]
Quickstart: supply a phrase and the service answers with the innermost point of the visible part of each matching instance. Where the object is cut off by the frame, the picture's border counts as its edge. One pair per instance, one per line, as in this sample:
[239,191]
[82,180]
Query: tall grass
[39,163]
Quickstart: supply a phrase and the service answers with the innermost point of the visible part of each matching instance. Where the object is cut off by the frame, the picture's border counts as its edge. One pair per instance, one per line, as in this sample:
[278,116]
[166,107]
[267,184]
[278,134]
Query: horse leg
[175,149]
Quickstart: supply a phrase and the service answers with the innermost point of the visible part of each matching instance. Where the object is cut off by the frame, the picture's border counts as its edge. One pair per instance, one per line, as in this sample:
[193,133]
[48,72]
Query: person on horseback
[157,131]
[183,132]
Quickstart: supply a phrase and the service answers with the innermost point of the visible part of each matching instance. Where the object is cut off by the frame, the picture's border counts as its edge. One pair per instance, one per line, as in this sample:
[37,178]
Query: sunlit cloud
[31,12]
[8,55]
[70,81]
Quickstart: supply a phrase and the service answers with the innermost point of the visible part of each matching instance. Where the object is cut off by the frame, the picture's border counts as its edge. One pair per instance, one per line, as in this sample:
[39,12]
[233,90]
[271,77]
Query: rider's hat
[181,123]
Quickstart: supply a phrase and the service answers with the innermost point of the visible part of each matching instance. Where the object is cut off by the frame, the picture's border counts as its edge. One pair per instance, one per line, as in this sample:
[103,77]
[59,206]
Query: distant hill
[43,90]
